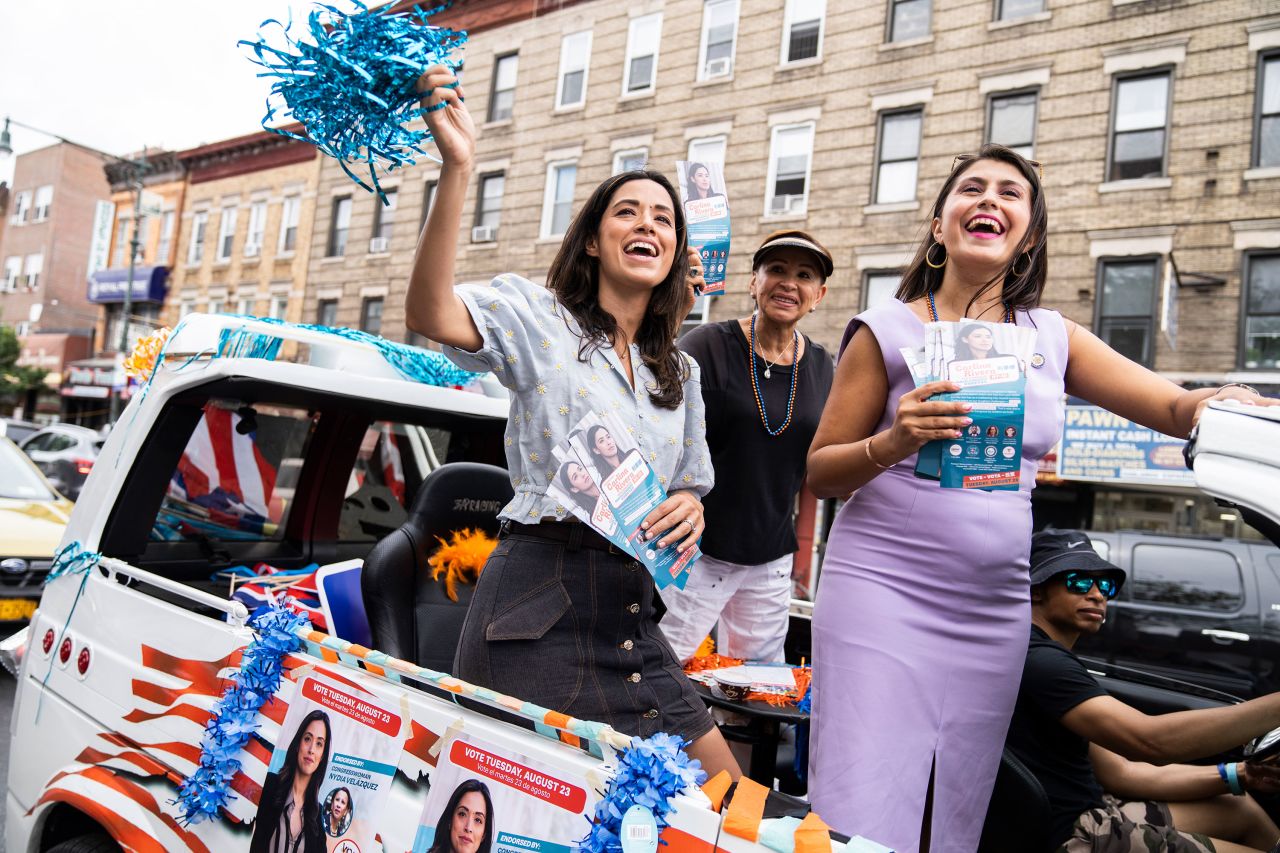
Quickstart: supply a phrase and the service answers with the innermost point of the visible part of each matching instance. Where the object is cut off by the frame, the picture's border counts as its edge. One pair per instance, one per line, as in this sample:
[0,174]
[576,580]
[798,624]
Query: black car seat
[410,616]
[1018,817]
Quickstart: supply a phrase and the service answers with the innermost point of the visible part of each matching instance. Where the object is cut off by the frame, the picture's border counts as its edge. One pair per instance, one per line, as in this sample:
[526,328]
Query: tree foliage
[15,380]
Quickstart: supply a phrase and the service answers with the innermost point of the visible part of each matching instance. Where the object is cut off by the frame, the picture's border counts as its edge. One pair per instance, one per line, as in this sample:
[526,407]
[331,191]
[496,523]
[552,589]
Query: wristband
[1249,388]
[1233,779]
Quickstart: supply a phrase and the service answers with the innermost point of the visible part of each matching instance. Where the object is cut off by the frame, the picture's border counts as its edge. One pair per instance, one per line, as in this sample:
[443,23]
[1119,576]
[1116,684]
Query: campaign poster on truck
[1103,447]
[340,745]
[486,797]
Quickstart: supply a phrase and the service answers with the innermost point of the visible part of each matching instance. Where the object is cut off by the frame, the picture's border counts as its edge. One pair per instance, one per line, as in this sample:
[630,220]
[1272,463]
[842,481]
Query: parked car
[32,519]
[65,453]
[16,430]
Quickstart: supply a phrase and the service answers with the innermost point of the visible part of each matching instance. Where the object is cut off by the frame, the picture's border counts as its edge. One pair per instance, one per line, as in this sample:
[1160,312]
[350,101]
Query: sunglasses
[1081,584]
[961,159]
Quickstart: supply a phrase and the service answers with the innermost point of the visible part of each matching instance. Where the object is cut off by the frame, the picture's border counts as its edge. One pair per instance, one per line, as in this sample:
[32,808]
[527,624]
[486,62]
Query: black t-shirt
[1053,682]
[749,513]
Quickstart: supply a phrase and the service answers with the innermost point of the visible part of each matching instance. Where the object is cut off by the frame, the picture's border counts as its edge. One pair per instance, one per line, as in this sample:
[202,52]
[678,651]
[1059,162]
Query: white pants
[749,602]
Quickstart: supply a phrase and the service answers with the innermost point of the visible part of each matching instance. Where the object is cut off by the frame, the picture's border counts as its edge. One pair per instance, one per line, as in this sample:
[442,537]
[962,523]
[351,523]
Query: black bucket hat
[1054,552]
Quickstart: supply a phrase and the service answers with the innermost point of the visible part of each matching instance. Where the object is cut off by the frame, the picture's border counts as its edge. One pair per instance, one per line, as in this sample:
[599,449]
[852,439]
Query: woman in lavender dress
[923,612]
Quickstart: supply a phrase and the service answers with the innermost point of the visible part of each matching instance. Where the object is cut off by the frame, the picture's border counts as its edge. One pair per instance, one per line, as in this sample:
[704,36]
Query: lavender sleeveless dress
[921,624]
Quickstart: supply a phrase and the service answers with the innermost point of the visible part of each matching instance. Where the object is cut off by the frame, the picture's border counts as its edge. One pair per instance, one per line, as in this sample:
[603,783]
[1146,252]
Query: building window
[32,269]
[719,32]
[122,239]
[185,307]
[384,217]
[789,156]
[257,229]
[698,315]
[1262,311]
[1126,306]
[1266,132]
[44,200]
[630,160]
[216,304]
[327,313]
[428,196]
[502,95]
[802,30]
[707,149]
[166,237]
[278,306]
[908,19]
[575,57]
[371,315]
[1011,121]
[488,208]
[557,198]
[199,225]
[244,305]
[339,225]
[898,156]
[1139,127]
[226,233]
[641,71]
[12,272]
[289,224]
[21,207]
[1011,10]
[879,286]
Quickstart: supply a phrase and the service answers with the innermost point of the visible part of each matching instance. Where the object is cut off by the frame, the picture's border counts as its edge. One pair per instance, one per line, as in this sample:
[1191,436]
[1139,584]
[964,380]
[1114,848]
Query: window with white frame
[640,74]
[12,272]
[1139,126]
[21,207]
[185,307]
[502,92]
[898,156]
[244,305]
[289,224]
[489,207]
[32,269]
[384,218]
[707,149]
[199,227]
[1011,10]
[630,159]
[44,200]
[165,246]
[1262,311]
[226,233]
[278,306]
[802,30]
[339,225]
[217,302]
[575,59]
[879,286]
[1266,131]
[719,34]
[257,229]
[909,19]
[790,154]
[123,221]
[698,315]
[1011,121]
[557,198]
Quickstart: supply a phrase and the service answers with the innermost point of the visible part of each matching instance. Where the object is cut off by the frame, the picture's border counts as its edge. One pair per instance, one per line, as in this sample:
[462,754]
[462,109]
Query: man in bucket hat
[1079,741]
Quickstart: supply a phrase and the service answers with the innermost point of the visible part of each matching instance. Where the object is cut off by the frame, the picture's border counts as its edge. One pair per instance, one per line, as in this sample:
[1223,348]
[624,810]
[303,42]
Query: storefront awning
[109,285]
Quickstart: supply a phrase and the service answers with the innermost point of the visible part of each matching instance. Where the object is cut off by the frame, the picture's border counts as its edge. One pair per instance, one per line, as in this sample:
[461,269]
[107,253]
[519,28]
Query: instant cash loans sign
[1102,447]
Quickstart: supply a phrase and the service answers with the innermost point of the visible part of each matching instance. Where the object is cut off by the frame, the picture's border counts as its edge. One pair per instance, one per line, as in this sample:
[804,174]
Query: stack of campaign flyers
[989,363]
[604,480]
[706,216]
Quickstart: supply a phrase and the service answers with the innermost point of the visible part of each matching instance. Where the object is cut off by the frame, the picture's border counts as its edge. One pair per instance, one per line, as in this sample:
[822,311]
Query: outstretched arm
[431,306]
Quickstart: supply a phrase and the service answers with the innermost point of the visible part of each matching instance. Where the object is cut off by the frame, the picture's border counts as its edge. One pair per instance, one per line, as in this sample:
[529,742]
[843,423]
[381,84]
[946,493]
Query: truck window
[235,479]
[1102,548]
[1183,576]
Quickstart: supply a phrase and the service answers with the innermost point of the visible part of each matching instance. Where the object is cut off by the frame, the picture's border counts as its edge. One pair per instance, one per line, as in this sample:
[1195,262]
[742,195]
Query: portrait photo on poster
[706,211]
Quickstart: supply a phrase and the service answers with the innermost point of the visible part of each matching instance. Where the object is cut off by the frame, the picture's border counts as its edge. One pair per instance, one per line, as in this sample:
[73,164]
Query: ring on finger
[692,528]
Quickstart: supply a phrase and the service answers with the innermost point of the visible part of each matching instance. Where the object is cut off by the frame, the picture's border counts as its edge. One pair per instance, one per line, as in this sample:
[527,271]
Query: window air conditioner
[787,204]
[718,67]
[251,250]
[484,233]
[377,245]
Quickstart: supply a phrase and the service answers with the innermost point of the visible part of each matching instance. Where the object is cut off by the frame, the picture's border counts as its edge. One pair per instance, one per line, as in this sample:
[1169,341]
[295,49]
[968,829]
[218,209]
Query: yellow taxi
[32,518]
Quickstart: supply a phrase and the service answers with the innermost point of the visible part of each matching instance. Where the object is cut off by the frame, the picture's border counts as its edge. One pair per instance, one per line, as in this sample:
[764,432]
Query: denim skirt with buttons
[574,628]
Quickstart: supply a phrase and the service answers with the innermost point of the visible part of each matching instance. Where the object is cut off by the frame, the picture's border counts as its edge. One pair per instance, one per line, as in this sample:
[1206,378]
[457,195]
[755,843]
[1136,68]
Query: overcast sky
[121,74]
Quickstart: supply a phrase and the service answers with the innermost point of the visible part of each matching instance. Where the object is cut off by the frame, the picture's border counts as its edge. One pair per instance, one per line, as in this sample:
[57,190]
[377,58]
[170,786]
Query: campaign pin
[1037,360]
[639,831]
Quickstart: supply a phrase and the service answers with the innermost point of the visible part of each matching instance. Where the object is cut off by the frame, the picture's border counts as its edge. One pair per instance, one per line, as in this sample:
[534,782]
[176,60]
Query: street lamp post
[137,168]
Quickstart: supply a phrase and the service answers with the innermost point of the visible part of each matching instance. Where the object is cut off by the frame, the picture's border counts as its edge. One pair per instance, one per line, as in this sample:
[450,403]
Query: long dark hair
[1024,276]
[443,843]
[582,499]
[311,799]
[690,188]
[963,352]
[574,277]
[597,457]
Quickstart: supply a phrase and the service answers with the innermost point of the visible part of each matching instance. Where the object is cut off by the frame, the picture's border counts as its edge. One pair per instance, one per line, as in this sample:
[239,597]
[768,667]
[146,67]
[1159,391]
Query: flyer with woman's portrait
[706,216]
[489,799]
[339,747]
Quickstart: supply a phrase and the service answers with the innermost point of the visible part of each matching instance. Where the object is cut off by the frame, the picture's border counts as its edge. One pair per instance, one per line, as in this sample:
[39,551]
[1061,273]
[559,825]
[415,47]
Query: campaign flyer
[706,217]
[346,743]
[489,798]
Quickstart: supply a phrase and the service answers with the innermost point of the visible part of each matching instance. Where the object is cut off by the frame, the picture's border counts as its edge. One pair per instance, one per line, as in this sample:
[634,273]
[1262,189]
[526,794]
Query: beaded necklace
[933,311]
[755,382]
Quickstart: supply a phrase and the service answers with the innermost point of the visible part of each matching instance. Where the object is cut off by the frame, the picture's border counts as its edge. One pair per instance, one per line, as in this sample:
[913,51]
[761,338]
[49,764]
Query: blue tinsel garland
[351,81]
[651,772]
[235,715]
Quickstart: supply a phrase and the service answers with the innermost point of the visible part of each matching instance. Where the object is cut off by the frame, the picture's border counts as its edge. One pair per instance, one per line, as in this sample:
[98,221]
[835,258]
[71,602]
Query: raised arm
[432,308]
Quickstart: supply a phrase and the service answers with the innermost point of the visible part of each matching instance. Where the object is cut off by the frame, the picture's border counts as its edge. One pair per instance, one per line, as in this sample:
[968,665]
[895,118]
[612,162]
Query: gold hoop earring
[1013,266]
[929,260]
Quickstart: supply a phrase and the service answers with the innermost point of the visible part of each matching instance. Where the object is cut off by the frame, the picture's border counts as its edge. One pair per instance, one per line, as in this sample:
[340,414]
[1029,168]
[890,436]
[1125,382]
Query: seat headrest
[461,494]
